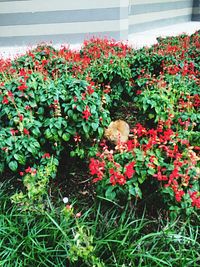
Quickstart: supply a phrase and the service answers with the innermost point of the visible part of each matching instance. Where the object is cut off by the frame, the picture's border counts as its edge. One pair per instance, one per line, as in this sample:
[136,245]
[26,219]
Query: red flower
[83,96]
[13,132]
[140,130]
[138,92]
[5,149]
[195,199]
[129,170]
[46,156]
[10,94]
[159,175]
[27,107]
[179,194]
[96,168]
[28,170]
[22,72]
[44,62]
[26,131]
[21,117]
[90,90]
[86,113]
[22,87]
[116,177]
[5,100]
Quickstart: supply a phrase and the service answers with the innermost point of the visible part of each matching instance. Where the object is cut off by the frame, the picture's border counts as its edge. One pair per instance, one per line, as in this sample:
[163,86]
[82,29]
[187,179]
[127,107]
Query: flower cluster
[158,154]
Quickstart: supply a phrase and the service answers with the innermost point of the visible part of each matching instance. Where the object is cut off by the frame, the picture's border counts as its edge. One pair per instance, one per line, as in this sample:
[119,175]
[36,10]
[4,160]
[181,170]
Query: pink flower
[78,215]
[68,207]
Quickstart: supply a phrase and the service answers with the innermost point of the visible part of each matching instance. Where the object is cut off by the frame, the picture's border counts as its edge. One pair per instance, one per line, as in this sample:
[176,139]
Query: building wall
[24,22]
[196,10]
[150,14]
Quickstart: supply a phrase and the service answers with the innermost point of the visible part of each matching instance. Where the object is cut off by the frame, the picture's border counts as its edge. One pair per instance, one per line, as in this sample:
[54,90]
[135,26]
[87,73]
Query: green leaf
[94,126]
[151,116]
[66,137]
[40,111]
[93,109]
[110,194]
[138,191]
[143,176]
[13,165]
[78,107]
[141,179]
[85,128]
[9,141]
[151,171]
[100,131]
[48,134]
[55,161]
[2,166]
[36,132]
[21,159]
[131,190]
[57,124]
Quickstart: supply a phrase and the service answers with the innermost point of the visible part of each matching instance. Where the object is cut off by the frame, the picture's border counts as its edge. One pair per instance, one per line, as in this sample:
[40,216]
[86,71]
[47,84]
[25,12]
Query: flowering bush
[38,115]
[166,89]
[157,155]
[52,100]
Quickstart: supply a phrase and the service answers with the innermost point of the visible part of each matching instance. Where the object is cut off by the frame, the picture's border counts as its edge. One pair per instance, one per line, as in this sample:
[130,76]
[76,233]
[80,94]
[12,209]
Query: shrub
[54,100]
[154,154]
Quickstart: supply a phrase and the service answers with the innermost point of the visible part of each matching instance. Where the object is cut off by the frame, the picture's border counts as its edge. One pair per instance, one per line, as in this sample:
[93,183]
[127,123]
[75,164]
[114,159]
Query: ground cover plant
[54,108]
[103,235]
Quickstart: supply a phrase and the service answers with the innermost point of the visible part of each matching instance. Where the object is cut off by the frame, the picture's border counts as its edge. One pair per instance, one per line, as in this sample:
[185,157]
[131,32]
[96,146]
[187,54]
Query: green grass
[130,241]
[120,237]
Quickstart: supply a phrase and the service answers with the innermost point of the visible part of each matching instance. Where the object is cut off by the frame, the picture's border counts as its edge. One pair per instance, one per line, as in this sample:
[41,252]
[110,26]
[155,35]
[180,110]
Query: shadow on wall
[196,10]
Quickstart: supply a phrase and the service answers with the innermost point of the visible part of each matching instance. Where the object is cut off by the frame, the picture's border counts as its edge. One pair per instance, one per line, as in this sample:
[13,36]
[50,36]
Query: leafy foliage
[54,100]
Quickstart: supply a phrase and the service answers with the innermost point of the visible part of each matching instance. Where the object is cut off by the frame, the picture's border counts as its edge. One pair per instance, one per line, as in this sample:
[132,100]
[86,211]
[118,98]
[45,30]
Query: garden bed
[55,106]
